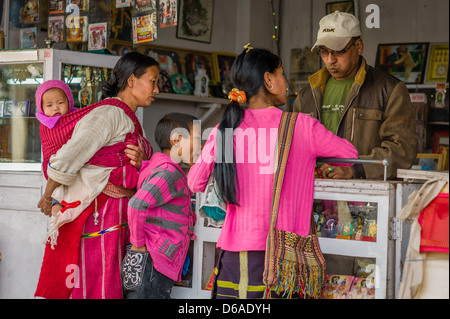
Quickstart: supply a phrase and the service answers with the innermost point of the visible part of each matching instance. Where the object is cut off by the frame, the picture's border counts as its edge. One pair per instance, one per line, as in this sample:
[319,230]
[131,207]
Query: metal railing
[383,162]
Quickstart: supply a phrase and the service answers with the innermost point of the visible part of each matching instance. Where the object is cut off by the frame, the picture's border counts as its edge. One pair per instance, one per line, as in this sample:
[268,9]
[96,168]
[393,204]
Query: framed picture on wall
[180,84]
[2,107]
[437,69]
[342,6]
[440,138]
[405,61]
[8,108]
[21,108]
[120,47]
[222,66]
[195,20]
[169,60]
[304,63]
[195,60]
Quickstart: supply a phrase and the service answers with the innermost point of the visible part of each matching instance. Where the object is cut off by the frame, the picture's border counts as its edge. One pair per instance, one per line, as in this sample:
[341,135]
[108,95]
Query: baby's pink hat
[44,87]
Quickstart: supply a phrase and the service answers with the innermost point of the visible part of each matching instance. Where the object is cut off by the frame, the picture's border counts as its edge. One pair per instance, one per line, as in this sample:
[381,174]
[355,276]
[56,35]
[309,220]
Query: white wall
[22,234]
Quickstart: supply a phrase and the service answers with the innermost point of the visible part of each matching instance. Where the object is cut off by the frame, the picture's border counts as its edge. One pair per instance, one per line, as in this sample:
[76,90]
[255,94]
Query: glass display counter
[21,73]
[357,227]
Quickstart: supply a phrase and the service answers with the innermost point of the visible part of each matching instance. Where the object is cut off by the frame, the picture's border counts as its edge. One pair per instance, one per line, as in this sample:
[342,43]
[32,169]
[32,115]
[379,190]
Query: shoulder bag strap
[285,134]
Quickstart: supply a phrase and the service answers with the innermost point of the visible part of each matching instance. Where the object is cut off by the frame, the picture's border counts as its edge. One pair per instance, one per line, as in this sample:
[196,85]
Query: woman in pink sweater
[243,168]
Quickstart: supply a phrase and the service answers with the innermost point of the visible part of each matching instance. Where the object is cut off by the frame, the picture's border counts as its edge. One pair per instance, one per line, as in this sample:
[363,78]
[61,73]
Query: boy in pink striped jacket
[159,214]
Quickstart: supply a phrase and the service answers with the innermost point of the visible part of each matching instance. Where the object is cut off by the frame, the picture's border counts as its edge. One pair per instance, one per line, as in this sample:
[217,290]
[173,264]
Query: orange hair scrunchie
[238,96]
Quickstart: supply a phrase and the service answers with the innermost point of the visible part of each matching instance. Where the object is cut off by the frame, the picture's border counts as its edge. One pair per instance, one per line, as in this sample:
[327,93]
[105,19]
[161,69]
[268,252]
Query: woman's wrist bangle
[48,199]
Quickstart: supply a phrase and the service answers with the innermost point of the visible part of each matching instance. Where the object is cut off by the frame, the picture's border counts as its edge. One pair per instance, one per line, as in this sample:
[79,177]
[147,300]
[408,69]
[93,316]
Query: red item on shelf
[434,220]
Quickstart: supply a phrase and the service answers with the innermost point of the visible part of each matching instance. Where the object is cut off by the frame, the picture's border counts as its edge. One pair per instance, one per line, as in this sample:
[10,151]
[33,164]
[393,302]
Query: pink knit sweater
[246,226]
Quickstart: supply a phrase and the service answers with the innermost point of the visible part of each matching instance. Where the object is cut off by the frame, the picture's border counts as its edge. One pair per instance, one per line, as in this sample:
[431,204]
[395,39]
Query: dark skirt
[239,275]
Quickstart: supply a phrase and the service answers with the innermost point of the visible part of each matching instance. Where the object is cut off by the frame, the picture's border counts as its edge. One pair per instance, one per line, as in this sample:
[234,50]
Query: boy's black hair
[170,122]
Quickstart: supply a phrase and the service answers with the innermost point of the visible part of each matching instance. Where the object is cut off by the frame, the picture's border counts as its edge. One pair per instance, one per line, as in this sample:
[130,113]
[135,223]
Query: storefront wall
[236,23]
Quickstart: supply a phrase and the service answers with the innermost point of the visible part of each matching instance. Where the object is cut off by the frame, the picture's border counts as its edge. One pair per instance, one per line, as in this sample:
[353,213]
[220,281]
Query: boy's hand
[136,155]
[141,249]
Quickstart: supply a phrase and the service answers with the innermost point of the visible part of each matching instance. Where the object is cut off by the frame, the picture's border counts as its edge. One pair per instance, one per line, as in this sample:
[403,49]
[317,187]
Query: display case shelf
[389,198]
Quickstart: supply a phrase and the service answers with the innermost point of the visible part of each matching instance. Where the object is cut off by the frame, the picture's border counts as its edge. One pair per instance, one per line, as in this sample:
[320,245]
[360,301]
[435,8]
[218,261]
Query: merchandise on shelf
[346,220]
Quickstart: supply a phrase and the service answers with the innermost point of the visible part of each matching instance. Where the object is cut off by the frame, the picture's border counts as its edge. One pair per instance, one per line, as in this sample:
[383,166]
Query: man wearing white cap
[369,108]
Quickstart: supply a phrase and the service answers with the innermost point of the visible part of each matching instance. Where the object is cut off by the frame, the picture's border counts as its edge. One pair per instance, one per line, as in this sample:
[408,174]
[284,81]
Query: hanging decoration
[168,13]
[276,16]
[144,22]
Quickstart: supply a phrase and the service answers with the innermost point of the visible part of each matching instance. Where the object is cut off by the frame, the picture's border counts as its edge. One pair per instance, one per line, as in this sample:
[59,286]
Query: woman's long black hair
[247,74]
[129,64]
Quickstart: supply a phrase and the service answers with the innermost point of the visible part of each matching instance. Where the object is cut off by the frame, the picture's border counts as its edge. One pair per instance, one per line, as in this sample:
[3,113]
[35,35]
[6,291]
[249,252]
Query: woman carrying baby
[99,149]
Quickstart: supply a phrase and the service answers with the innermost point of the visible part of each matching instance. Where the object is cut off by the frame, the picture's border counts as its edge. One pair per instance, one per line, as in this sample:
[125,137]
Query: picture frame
[405,61]
[304,63]
[180,84]
[444,150]
[429,162]
[342,6]
[176,60]
[438,64]
[195,20]
[97,38]
[28,38]
[222,69]
[169,60]
[440,138]
[21,108]
[193,60]
[8,107]
[119,47]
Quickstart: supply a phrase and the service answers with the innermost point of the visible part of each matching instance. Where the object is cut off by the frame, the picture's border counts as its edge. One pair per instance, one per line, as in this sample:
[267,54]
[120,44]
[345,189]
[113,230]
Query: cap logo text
[328,30]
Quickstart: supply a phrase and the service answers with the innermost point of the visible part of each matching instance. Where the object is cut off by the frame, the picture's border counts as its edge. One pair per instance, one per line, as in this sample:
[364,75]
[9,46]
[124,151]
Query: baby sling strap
[108,156]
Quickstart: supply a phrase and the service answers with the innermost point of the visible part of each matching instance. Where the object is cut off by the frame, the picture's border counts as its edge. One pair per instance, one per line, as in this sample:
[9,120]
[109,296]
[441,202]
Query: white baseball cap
[336,30]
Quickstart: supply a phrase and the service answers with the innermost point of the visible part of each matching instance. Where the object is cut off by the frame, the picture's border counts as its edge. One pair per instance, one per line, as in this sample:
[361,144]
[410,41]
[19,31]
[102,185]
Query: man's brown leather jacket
[378,119]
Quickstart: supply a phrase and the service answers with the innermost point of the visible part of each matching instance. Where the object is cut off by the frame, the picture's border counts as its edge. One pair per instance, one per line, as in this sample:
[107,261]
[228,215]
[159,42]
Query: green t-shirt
[334,100]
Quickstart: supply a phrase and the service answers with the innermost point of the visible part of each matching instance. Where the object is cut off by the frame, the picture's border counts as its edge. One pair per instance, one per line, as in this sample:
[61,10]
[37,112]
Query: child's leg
[140,280]
[160,285]
[135,274]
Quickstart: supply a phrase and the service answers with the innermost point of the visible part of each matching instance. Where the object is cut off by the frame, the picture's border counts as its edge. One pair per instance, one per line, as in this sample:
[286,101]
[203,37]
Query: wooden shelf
[423,86]
[438,123]
[191,98]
